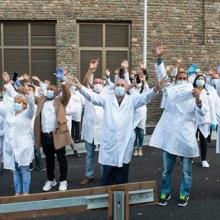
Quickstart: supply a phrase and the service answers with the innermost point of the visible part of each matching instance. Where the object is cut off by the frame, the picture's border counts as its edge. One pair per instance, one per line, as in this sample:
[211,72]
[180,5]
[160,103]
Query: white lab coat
[205,121]
[92,122]
[176,130]
[79,103]
[1,138]
[70,110]
[140,116]
[117,133]
[18,143]
[215,93]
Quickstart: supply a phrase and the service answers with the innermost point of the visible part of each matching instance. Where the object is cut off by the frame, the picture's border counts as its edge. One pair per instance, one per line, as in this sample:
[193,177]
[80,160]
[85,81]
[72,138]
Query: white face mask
[211,81]
[17,107]
[98,88]
[50,94]
[119,91]
[200,82]
[181,82]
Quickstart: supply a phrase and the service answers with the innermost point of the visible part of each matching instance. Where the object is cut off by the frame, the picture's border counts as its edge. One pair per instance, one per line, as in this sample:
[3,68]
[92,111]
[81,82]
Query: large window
[28,47]
[110,42]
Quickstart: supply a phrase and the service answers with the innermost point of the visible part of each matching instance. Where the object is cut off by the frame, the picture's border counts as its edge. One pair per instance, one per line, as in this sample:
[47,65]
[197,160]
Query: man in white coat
[175,135]
[117,134]
[92,121]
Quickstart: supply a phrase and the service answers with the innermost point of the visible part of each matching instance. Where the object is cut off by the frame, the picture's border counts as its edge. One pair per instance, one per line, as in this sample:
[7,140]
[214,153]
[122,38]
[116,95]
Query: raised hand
[59,73]
[116,71]
[161,84]
[107,73]
[93,65]
[76,82]
[159,48]
[23,90]
[142,65]
[196,93]
[124,64]
[69,79]
[36,79]
[6,77]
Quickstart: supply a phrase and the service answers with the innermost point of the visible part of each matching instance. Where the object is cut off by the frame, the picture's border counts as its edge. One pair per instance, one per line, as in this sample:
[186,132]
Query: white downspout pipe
[145,33]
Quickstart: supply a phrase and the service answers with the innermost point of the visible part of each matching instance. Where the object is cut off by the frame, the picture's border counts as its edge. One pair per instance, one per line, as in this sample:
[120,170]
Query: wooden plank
[73,193]
[77,192]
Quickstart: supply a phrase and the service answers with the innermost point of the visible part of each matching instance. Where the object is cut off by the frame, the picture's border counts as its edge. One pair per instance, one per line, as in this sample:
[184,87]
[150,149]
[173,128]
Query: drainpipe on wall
[145,33]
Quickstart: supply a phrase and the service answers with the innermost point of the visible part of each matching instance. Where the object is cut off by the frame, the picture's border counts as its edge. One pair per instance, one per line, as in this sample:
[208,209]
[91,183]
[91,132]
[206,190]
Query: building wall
[179,23]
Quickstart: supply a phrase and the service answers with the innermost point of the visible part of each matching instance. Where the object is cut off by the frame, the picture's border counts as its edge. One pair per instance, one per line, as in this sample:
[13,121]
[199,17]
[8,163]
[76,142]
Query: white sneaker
[63,185]
[205,164]
[135,152]
[49,184]
[140,152]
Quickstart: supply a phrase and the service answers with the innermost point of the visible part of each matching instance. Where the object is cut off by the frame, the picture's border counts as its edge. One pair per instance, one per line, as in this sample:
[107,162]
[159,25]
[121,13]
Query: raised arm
[65,94]
[146,97]
[95,98]
[31,107]
[88,79]
[159,66]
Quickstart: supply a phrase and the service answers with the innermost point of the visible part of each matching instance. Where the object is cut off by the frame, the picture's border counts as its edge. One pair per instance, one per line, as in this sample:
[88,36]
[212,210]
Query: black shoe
[1,168]
[31,167]
[76,154]
[163,199]
[183,200]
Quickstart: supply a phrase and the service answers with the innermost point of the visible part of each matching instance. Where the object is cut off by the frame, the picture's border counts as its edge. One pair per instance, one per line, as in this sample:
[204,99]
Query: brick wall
[179,23]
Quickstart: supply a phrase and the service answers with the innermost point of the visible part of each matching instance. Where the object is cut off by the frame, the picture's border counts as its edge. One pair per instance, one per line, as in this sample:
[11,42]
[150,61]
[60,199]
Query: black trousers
[76,131]
[114,175]
[203,145]
[49,151]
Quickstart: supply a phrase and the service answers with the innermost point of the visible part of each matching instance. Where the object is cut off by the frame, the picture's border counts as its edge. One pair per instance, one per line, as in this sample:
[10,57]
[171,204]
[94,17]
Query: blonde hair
[21,99]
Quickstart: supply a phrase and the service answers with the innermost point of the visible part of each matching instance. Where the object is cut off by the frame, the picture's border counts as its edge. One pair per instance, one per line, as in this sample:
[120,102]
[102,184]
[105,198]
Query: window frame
[104,49]
[29,47]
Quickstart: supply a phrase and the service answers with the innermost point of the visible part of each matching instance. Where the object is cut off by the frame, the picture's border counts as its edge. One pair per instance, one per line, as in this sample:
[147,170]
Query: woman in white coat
[117,134]
[18,147]
[205,122]
[140,116]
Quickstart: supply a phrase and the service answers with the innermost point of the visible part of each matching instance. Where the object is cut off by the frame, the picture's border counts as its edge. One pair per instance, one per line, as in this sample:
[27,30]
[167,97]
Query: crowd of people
[113,111]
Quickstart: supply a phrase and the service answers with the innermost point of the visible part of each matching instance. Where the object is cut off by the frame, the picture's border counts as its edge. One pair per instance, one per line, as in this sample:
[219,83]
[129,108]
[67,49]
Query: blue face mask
[211,81]
[50,94]
[119,91]
[200,83]
[17,107]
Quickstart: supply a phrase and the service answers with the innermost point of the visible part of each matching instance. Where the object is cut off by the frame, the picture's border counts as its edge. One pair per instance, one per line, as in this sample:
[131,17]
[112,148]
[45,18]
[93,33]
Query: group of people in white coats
[113,114]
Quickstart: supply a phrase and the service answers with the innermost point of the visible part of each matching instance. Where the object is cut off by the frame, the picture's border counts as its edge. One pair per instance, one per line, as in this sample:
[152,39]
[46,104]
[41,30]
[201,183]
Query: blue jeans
[139,140]
[22,179]
[90,148]
[169,161]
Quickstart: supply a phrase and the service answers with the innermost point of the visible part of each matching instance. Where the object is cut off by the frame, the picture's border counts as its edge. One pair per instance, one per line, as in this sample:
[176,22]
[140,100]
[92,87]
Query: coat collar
[123,102]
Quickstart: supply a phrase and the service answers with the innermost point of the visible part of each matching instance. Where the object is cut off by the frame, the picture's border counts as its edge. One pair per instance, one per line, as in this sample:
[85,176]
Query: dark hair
[121,73]
[98,77]
[194,82]
[136,76]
